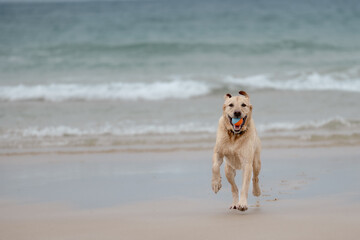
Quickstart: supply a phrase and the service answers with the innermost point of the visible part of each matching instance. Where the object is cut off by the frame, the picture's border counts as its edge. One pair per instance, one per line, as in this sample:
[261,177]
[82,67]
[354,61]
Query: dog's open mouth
[237,123]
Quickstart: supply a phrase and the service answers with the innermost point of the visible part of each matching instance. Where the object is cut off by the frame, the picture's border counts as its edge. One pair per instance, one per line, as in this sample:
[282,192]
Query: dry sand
[307,194]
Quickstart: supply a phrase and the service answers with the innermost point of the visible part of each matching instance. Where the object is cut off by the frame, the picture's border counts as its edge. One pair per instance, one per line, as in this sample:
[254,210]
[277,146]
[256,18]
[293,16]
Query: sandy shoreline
[307,194]
[318,219]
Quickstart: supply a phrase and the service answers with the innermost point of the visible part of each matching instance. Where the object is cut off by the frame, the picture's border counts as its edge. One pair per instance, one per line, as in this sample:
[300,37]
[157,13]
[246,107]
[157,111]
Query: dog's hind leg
[230,174]
[256,171]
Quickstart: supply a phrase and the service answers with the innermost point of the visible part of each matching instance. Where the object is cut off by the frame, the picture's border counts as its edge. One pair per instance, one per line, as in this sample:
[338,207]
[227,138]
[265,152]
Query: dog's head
[237,107]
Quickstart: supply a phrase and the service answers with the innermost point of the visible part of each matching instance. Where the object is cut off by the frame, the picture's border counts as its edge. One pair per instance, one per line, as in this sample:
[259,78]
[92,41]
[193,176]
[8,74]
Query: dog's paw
[216,185]
[233,206]
[242,206]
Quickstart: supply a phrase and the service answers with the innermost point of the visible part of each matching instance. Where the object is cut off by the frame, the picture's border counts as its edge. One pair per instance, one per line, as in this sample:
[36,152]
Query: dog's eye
[231,105]
[243,105]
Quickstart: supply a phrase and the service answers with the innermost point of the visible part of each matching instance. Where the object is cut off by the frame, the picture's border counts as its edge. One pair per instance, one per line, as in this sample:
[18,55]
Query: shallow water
[105,180]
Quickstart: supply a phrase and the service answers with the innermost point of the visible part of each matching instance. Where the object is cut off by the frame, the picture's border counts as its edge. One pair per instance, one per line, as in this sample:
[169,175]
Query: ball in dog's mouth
[237,123]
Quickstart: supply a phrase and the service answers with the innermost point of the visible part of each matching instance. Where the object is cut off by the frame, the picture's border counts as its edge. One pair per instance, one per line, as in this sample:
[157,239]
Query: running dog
[240,145]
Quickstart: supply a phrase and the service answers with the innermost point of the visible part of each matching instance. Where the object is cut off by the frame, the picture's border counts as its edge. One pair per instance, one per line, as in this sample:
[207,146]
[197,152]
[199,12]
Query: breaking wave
[302,82]
[113,130]
[180,136]
[175,89]
[337,123]
[179,87]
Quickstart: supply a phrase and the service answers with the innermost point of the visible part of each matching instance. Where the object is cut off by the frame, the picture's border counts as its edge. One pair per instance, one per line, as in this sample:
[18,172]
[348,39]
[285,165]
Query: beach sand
[308,193]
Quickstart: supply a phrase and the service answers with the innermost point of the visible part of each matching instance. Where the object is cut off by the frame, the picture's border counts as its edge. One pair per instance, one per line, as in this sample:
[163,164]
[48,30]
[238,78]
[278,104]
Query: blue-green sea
[151,75]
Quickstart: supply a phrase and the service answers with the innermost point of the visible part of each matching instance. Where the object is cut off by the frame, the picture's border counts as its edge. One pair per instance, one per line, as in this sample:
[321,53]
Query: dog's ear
[228,95]
[244,94]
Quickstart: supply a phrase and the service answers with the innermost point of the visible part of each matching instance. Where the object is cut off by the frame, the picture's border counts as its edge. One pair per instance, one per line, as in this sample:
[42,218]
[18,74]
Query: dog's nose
[237,114]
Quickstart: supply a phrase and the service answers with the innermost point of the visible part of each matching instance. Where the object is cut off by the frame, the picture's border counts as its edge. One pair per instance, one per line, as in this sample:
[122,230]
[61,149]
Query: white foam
[107,129]
[336,123]
[328,124]
[312,81]
[175,89]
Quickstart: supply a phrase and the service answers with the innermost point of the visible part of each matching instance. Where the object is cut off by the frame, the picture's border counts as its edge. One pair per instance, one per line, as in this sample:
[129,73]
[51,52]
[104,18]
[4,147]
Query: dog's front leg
[247,171]
[230,174]
[216,177]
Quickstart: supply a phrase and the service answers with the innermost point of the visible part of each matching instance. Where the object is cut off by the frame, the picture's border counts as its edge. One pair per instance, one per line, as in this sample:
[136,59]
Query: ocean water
[151,75]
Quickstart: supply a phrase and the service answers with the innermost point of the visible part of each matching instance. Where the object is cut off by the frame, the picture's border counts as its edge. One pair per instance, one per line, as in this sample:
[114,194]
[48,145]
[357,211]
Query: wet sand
[310,193]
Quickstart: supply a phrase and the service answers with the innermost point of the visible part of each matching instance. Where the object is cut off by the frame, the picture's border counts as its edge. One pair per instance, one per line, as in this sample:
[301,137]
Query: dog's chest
[236,150]
[234,158]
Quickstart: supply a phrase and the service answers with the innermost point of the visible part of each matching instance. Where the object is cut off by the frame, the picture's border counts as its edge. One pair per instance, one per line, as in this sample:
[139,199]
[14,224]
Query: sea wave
[336,123]
[180,47]
[175,89]
[328,125]
[328,132]
[299,82]
[180,87]
[107,129]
